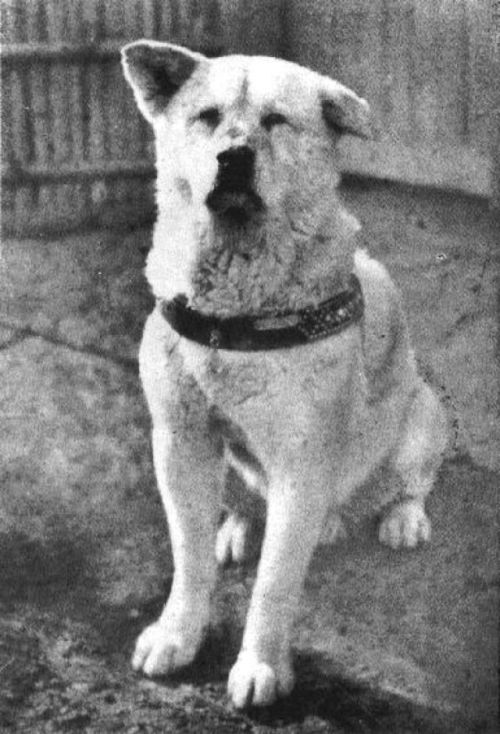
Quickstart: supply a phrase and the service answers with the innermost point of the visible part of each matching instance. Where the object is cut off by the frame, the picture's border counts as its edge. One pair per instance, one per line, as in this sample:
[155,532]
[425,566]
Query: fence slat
[8,21]
[168,21]
[22,139]
[453,44]
[74,20]
[395,102]
[7,200]
[96,150]
[133,22]
[80,197]
[481,81]
[113,16]
[150,21]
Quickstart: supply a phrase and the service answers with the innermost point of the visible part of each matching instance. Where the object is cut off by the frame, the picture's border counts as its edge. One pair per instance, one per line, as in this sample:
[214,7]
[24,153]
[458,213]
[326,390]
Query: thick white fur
[305,426]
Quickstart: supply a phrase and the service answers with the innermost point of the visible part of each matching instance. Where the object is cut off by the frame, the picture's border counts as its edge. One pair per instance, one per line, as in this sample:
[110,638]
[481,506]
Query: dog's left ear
[156,71]
[344,111]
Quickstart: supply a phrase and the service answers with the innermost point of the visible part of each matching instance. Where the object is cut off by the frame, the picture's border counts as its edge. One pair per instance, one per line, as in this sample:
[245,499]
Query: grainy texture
[385,641]
[426,68]
[67,113]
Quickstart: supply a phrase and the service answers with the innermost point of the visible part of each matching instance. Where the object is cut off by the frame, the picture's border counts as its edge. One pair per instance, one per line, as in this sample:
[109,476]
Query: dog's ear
[155,71]
[344,111]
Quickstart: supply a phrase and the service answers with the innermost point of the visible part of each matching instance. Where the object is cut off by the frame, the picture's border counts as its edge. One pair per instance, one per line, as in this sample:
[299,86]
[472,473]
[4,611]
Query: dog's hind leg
[188,470]
[232,540]
[240,534]
[416,460]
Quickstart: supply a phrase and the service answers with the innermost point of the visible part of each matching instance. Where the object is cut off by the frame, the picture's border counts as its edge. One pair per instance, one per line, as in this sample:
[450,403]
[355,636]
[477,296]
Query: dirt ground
[385,641]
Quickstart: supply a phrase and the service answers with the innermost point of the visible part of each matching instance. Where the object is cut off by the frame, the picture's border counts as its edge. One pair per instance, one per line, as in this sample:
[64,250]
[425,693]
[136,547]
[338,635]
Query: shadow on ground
[65,649]
[78,686]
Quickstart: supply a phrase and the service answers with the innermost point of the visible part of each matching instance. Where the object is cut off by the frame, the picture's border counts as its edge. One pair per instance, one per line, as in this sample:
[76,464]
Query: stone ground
[385,641]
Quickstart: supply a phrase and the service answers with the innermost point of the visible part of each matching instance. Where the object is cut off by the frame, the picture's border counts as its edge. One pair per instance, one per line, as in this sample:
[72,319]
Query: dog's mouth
[236,205]
[233,198]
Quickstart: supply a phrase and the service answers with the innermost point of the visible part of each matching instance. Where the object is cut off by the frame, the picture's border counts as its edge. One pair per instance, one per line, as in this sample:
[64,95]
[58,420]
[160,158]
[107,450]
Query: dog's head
[246,166]
[240,134]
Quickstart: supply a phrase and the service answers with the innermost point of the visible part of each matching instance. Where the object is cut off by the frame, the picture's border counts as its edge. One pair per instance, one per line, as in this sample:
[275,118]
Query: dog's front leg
[188,474]
[295,515]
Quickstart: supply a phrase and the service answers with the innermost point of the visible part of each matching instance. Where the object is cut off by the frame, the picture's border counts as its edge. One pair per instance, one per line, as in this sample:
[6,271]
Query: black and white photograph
[249,366]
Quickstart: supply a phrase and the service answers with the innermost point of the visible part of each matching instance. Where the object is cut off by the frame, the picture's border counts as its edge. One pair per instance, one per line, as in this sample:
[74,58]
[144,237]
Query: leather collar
[273,331]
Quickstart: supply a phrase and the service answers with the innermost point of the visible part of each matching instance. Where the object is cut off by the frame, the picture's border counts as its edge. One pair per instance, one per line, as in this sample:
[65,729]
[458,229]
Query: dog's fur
[304,426]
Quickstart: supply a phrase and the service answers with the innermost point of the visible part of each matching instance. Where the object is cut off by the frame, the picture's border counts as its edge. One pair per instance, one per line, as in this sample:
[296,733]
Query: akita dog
[274,347]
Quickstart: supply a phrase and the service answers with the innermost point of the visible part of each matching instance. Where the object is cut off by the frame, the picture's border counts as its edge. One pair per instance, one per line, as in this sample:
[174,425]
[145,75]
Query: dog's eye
[272,119]
[211,116]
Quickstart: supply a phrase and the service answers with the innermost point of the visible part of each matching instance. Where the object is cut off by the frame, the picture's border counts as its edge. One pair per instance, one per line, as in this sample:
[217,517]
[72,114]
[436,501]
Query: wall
[75,151]
[426,68]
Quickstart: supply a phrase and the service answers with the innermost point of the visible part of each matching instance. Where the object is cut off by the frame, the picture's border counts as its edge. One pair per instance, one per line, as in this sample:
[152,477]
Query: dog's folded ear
[156,71]
[345,112]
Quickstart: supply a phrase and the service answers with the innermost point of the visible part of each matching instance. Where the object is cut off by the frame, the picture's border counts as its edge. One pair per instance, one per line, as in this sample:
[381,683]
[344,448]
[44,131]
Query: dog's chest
[228,379]
[261,389]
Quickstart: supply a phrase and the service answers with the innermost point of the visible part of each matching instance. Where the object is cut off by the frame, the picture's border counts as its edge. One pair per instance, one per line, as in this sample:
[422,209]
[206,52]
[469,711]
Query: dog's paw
[232,540]
[162,649]
[405,526]
[253,682]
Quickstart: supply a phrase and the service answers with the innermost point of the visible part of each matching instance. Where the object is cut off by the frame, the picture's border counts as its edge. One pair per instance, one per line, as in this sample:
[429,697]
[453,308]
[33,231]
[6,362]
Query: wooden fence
[74,149]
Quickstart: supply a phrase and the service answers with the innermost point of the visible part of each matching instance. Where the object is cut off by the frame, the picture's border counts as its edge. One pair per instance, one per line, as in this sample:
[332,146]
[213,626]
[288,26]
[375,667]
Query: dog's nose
[237,162]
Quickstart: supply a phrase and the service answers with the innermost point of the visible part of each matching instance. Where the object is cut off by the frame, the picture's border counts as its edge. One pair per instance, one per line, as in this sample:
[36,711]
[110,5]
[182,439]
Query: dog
[276,346]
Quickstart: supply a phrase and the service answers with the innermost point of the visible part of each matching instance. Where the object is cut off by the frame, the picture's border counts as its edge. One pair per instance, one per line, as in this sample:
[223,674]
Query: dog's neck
[278,264]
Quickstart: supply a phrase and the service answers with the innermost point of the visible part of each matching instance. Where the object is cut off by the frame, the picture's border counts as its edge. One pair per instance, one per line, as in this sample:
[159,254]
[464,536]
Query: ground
[385,641]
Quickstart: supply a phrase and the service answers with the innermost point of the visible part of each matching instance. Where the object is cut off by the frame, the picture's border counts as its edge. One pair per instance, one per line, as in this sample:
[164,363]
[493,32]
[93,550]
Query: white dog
[274,346]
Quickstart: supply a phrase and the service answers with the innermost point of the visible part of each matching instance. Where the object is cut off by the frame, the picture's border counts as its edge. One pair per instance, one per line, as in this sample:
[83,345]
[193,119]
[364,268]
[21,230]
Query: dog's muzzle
[233,195]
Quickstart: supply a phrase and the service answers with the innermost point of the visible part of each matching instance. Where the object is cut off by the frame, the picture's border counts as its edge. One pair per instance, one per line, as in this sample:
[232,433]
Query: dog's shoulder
[385,333]
[377,284]
[160,367]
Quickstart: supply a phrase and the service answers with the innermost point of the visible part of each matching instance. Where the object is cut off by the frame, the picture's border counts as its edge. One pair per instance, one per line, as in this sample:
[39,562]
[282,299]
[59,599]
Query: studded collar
[271,331]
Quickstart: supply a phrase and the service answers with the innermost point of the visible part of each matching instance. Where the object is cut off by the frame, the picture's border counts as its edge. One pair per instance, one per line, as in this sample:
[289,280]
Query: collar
[273,331]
